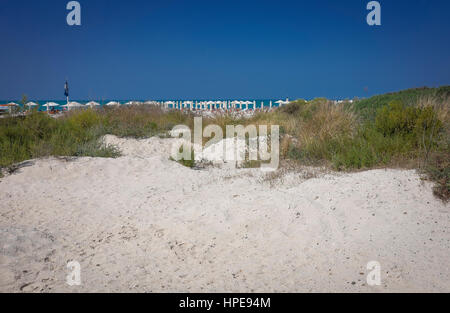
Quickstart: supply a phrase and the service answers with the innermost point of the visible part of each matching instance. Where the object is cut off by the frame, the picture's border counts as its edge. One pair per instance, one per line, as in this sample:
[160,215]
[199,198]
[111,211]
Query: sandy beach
[143,223]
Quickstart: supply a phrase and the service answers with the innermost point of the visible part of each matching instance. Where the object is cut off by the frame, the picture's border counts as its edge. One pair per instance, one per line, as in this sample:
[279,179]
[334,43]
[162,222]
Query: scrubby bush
[396,118]
[420,127]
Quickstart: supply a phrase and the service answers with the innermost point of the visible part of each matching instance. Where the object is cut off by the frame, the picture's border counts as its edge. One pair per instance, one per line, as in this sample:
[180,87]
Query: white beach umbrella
[10,105]
[50,105]
[31,104]
[282,102]
[74,105]
[112,103]
[93,104]
[235,103]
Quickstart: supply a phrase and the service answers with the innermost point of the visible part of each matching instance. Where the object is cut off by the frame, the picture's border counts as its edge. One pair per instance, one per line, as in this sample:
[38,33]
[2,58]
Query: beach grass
[79,133]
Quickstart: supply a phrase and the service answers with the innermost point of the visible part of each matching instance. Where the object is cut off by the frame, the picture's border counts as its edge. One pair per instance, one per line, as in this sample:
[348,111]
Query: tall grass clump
[324,128]
[312,131]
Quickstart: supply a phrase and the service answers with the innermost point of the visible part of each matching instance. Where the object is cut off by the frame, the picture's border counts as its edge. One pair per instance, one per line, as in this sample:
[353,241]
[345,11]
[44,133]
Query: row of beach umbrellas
[73,105]
[53,104]
[218,104]
[223,102]
[68,105]
[235,102]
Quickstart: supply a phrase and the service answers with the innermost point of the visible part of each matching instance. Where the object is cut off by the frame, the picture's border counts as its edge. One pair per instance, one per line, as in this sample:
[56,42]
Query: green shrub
[396,118]
[420,124]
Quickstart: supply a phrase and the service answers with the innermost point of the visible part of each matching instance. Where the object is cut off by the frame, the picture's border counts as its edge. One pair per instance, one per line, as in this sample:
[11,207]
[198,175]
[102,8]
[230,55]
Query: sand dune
[147,224]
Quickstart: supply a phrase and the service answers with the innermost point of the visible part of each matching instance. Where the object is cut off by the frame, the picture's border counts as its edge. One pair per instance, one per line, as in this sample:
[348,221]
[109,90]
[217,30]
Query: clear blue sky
[181,49]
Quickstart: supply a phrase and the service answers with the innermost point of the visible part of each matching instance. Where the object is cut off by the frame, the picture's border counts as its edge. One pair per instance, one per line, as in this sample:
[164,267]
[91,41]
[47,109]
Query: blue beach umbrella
[66,89]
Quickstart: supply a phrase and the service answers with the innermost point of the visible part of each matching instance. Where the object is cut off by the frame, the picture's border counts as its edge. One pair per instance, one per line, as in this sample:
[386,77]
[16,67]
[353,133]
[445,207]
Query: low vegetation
[393,133]
[408,129]
[78,133]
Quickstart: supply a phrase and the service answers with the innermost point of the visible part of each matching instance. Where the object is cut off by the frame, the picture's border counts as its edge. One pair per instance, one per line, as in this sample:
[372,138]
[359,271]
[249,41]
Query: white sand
[144,223]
